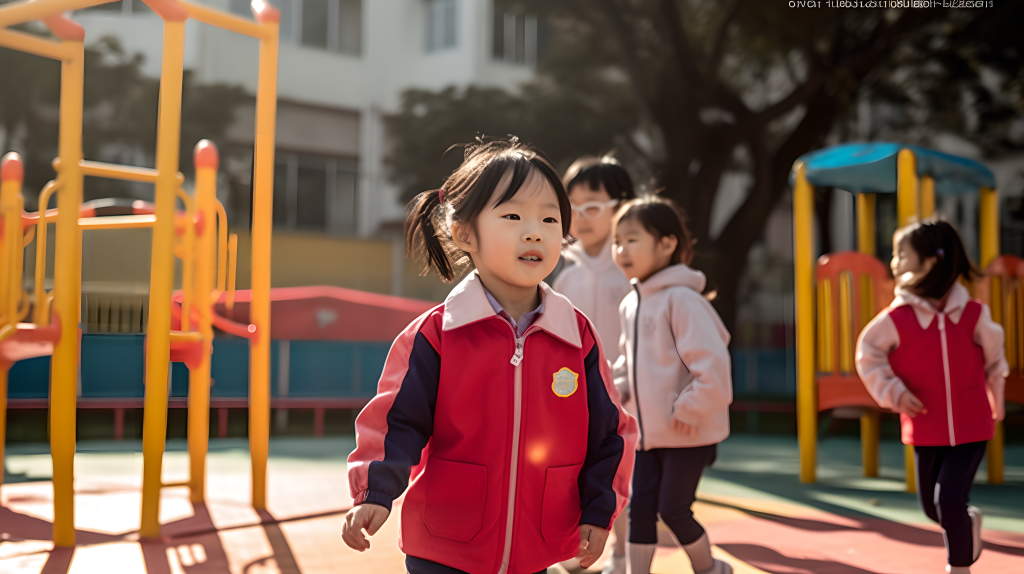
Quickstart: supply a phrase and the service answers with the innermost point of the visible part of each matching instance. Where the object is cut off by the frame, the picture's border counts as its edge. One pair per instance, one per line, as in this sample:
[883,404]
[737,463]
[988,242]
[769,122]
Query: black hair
[661,218]
[936,237]
[597,171]
[466,193]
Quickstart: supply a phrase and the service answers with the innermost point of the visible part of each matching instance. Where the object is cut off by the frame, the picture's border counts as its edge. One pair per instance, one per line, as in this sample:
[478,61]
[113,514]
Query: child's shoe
[617,565]
[719,568]
[975,513]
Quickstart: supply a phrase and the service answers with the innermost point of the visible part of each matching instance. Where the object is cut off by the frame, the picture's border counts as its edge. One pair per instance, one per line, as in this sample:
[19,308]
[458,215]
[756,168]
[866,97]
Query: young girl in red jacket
[675,377]
[502,391]
[936,357]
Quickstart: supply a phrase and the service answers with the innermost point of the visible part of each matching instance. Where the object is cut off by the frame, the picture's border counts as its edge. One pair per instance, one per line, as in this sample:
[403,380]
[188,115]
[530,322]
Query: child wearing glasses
[596,187]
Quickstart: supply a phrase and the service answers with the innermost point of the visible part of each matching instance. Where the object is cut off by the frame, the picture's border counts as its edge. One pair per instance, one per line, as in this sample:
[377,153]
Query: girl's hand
[998,406]
[683,428]
[365,516]
[592,541]
[910,405]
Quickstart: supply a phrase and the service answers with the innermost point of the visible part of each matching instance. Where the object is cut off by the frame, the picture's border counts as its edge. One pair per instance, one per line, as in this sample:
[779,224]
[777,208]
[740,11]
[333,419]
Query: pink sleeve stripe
[627,429]
[372,422]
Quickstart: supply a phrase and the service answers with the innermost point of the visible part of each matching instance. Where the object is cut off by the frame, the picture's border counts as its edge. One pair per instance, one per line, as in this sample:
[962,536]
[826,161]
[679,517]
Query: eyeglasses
[592,209]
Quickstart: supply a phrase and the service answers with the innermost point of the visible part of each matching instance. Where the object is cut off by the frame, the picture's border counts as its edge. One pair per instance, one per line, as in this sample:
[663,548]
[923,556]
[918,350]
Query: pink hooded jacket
[674,360]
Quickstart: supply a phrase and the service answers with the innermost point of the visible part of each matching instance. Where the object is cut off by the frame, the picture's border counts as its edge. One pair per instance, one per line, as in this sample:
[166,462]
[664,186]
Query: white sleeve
[990,337]
[620,375]
[876,341]
[705,353]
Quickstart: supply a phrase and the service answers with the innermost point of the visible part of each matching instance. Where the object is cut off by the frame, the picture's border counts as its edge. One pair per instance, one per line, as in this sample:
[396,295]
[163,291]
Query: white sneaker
[975,513]
[617,565]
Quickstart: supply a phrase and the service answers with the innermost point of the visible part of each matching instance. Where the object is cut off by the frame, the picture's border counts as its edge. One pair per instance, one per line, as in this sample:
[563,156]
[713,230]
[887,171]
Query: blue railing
[113,367]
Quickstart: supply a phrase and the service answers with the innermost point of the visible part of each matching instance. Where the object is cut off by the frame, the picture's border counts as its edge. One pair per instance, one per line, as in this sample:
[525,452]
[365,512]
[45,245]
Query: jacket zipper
[636,356]
[945,372]
[517,412]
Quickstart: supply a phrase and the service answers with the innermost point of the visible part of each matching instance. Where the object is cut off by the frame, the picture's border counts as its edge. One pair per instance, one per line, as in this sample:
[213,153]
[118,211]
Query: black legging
[944,478]
[665,482]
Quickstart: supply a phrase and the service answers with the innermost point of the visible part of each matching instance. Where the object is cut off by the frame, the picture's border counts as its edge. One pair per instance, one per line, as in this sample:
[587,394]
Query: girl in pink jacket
[674,376]
[936,357]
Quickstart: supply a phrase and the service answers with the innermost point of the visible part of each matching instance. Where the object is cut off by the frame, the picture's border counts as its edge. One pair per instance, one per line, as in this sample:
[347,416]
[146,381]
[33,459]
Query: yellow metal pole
[927,196]
[909,210]
[154,430]
[222,247]
[3,415]
[206,161]
[988,228]
[12,172]
[67,295]
[259,351]
[907,197]
[229,301]
[870,422]
[39,313]
[807,392]
[262,219]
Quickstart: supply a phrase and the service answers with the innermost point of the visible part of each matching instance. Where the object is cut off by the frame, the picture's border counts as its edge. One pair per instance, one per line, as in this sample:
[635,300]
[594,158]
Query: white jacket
[879,338]
[596,286]
[674,360]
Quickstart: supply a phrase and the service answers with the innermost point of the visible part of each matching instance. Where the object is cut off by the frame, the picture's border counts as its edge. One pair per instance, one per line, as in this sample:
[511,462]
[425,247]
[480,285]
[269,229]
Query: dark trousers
[665,482]
[944,478]
[415,565]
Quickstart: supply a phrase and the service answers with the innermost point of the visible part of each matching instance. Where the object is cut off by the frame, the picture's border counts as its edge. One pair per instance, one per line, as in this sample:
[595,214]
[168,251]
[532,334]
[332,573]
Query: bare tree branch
[723,31]
[635,68]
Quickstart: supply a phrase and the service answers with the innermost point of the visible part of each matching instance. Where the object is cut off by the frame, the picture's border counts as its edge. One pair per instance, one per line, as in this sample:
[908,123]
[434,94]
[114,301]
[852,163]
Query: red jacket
[522,438]
[946,359]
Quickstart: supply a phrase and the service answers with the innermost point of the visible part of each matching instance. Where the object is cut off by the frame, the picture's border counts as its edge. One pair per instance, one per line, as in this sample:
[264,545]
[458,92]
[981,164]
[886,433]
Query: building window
[440,25]
[519,38]
[332,25]
[315,193]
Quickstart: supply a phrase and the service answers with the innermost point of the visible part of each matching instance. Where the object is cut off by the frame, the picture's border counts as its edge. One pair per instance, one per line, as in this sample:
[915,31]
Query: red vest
[945,369]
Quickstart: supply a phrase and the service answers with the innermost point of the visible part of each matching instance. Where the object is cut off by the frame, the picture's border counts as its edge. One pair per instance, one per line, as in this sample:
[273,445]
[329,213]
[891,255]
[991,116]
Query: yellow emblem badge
[565,382]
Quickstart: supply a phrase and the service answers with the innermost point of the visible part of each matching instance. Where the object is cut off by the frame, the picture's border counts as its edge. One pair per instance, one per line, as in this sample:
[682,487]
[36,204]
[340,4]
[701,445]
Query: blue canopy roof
[871,168]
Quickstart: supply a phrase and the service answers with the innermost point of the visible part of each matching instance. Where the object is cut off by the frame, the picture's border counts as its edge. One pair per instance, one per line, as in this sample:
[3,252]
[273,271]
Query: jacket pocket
[456,493]
[560,510]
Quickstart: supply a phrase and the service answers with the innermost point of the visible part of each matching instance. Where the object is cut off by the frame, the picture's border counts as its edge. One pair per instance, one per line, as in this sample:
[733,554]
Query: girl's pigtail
[422,234]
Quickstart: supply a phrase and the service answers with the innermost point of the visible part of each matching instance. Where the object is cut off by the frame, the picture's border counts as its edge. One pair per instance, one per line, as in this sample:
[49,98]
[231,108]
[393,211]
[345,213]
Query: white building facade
[343,66]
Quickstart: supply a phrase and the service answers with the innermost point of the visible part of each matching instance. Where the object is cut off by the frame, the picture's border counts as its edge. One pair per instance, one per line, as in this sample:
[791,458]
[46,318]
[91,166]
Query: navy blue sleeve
[410,425]
[604,449]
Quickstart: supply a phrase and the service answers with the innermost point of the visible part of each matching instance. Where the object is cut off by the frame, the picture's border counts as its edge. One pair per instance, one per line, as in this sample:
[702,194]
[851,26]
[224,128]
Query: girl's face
[638,253]
[593,232]
[906,263]
[518,242]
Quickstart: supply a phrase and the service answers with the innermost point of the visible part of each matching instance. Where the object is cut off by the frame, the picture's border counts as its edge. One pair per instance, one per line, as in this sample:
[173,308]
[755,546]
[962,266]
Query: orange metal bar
[227,21]
[32,44]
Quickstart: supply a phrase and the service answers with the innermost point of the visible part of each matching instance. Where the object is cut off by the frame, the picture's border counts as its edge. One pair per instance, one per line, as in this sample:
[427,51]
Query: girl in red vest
[502,392]
[936,357]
